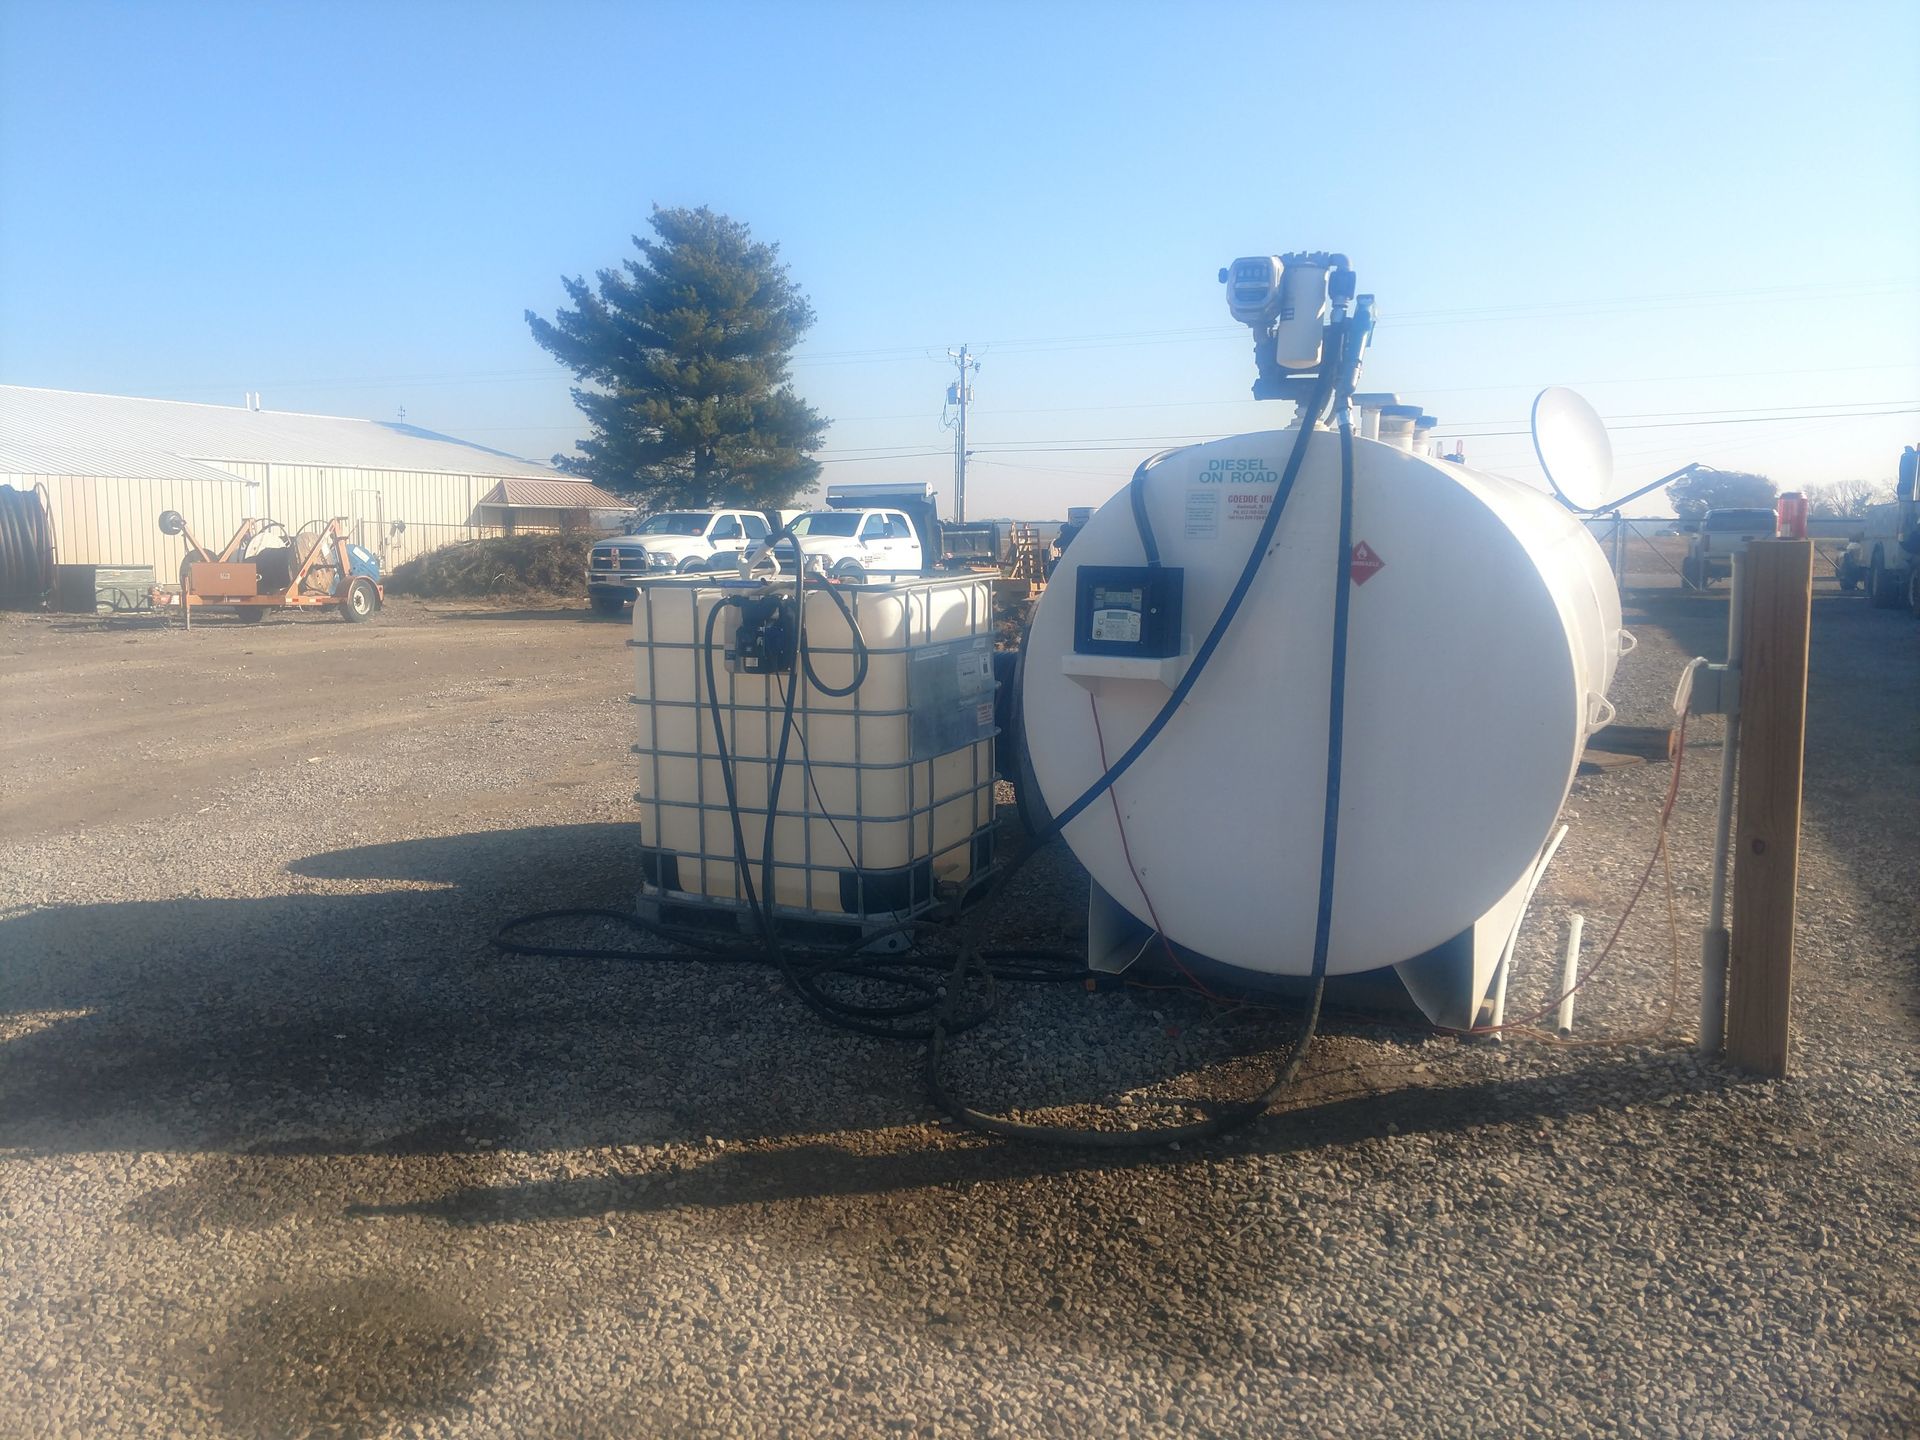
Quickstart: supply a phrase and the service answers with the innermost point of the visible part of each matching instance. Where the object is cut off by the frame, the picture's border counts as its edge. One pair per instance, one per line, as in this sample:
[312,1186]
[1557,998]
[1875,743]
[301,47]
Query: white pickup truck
[885,531]
[1720,535]
[847,544]
[682,541]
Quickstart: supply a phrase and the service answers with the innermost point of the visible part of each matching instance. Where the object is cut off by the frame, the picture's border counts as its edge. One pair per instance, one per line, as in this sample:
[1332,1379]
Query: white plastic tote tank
[1484,632]
[887,793]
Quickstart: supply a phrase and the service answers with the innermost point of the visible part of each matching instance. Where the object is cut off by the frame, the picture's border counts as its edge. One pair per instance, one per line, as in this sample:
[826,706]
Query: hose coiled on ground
[26,548]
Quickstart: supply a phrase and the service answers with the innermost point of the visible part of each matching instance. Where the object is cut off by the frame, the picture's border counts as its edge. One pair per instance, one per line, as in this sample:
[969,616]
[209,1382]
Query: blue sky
[1693,212]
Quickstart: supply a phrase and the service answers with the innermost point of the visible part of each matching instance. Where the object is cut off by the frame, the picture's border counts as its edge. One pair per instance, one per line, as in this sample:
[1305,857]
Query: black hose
[883,1019]
[1137,500]
[1235,1115]
[970,970]
[26,548]
[1204,654]
[861,656]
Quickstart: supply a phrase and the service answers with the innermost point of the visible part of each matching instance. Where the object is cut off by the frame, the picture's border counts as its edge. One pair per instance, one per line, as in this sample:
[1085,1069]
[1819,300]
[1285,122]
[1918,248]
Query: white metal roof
[63,432]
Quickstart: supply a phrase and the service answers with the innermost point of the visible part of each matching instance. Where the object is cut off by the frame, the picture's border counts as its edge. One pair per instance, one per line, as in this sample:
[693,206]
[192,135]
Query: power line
[1129,338]
[852,459]
[1140,442]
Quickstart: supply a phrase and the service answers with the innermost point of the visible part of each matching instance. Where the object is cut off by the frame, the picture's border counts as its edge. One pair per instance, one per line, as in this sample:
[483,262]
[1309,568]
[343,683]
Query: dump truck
[1885,554]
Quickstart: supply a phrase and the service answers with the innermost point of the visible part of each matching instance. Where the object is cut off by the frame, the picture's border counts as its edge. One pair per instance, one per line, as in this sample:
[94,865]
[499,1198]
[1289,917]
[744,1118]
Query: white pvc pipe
[1569,976]
[1505,970]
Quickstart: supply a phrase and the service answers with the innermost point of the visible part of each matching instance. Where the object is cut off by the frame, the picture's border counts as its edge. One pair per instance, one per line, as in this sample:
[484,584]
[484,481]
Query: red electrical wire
[1646,874]
[1158,929]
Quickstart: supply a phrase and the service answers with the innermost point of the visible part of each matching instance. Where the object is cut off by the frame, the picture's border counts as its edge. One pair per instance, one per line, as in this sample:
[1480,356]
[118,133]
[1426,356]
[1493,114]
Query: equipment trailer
[263,568]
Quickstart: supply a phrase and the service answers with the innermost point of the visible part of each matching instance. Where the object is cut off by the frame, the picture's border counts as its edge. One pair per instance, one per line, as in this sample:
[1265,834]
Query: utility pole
[958,395]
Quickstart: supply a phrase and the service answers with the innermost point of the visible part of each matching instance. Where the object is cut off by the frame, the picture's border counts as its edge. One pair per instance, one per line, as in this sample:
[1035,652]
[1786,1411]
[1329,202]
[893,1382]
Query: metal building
[111,463]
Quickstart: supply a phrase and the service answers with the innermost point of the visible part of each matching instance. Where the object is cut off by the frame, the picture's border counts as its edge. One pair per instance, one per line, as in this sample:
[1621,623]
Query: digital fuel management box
[1128,610]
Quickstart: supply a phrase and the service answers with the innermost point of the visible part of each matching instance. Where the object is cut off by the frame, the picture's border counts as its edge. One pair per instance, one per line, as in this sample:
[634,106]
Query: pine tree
[1709,489]
[683,358]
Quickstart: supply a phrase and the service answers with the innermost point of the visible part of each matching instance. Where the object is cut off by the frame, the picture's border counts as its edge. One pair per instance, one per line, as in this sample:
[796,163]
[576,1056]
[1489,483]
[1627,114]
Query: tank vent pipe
[1569,976]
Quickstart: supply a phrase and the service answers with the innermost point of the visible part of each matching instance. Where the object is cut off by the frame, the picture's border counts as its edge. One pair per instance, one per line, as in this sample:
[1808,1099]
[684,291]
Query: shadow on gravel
[813,1171]
[384,1023]
[489,863]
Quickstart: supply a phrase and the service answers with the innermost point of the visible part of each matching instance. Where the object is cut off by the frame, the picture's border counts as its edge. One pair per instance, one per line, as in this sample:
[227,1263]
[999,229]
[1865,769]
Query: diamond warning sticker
[1365,564]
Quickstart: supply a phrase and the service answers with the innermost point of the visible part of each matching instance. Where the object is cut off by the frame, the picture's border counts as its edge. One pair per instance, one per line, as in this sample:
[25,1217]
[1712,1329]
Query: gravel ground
[286,1149]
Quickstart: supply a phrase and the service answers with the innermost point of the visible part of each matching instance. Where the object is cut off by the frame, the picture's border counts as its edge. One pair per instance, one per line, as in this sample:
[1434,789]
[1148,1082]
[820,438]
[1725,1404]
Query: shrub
[503,565]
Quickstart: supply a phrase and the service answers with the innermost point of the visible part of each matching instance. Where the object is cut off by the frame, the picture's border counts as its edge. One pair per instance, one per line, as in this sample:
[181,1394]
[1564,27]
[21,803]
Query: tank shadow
[383,1022]
[814,1170]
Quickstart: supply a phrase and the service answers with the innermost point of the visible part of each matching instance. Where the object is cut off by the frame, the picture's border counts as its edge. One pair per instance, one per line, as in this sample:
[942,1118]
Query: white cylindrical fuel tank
[1484,632]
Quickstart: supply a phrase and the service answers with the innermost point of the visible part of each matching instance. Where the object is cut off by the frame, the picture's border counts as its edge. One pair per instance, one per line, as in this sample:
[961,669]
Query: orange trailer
[265,567]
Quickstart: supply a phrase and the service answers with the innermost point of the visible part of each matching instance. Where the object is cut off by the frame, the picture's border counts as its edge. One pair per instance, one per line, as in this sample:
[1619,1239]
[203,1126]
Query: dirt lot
[287,1149]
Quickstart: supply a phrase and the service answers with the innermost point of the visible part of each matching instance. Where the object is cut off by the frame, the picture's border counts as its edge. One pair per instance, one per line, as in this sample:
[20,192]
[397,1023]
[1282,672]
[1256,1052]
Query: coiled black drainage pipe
[26,548]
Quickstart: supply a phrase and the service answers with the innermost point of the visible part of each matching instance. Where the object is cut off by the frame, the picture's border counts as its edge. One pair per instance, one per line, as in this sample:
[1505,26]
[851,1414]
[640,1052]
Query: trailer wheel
[360,602]
[250,614]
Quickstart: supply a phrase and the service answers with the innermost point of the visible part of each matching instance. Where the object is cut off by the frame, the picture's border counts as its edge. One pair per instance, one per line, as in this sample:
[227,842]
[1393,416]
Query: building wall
[111,520]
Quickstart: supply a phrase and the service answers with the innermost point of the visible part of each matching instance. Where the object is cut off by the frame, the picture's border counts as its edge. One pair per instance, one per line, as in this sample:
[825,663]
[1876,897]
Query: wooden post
[1766,850]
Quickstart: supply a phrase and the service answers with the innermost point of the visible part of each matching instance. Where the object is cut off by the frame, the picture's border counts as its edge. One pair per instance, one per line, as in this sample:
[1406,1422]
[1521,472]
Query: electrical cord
[813,786]
[1529,1024]
[1126,853]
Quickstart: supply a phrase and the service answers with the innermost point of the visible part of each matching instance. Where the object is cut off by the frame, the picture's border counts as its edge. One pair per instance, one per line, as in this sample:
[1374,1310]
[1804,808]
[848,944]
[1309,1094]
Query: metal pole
[1714,940]
[960,445]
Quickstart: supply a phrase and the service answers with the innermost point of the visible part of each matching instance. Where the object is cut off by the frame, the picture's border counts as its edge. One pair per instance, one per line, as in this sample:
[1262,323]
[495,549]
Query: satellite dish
[1571,441]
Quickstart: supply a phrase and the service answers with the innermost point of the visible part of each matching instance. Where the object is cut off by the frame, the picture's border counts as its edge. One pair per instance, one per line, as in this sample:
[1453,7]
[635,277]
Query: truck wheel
[607,602]
[1883,590]
[850,570]
[1690,573]
[1913,590]
[360,602]
[692,565]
